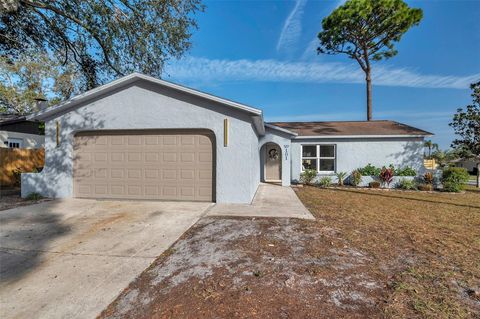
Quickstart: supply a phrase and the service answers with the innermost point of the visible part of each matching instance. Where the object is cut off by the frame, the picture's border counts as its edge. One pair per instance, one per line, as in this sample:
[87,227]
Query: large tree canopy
[366,31]
[33,76]
[466,124]
[104,38]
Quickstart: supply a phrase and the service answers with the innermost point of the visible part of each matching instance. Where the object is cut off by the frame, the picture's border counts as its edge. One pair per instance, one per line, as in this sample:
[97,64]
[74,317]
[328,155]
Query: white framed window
[320,157]
[15,142]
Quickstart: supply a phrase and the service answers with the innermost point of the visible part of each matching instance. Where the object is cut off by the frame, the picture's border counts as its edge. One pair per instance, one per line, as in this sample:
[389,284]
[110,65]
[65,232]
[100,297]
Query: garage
[144,138]
[144,164]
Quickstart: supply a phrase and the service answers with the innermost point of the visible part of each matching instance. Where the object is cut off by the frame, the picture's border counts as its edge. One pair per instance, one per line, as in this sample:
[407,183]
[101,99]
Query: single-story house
[139,137]
[18,132]
[469,164]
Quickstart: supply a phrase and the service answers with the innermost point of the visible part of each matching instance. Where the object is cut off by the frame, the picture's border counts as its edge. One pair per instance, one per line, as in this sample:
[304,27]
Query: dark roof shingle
[9,118]
[347,128]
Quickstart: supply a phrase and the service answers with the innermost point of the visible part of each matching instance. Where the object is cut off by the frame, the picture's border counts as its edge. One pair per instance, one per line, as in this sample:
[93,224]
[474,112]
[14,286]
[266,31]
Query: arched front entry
[272,162]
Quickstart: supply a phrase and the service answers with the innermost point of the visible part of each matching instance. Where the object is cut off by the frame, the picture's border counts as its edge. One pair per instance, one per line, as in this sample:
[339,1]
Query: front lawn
[369,254]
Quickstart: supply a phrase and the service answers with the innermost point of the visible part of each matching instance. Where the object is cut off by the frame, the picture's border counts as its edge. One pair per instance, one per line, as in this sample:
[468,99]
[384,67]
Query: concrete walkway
[71,258]
[270,201]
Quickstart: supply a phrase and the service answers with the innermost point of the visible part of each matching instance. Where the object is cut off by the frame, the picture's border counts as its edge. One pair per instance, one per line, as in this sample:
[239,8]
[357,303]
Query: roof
[131,78]
[273,127]
[8,118]
[51,112]
[382,128]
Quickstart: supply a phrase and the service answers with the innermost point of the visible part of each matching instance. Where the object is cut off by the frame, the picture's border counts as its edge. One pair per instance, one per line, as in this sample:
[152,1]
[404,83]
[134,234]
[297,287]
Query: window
[319,157]
[15,142]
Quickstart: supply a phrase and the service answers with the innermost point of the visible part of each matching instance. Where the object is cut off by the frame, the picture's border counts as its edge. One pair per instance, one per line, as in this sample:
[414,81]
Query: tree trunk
[369,95]
[478,175]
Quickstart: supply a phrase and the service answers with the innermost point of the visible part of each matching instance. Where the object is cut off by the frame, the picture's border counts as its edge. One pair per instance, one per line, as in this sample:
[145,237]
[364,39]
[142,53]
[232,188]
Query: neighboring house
[18,132]
[144,138]
[469,164]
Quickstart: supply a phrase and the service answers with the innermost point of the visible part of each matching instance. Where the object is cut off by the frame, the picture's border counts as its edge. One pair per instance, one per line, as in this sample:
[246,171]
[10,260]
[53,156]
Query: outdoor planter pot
[396,179]
[425,187]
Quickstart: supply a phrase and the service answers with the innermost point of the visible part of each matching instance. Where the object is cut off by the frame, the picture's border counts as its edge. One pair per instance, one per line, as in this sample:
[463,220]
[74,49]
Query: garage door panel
[187,140]
[134,156]
[167,166]
[117,190]
[101,173]
[169,157]
[152,157]
[117,173]
[187,157]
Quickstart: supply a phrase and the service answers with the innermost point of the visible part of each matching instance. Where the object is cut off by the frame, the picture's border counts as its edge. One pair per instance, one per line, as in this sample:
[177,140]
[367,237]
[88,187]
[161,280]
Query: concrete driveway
[71,258]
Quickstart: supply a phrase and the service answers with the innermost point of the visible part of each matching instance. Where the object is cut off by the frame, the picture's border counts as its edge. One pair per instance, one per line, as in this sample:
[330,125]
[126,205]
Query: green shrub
[308,176]
[405,171]
[454,179]
[341,177]
[34,196]
[325,181]
[369,170]
[356,178]
[406,184]
[374,184]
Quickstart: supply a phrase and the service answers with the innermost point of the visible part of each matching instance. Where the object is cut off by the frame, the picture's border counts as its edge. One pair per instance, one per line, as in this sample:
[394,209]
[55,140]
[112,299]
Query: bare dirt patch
[15,200]
[248,268]
[366,256]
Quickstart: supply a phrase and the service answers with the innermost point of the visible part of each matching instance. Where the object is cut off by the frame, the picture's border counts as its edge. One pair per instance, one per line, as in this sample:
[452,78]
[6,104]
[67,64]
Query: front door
[273,163]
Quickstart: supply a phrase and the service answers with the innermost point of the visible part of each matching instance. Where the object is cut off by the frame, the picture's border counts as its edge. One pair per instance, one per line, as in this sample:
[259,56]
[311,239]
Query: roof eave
[361,136]
[258,123]
[274,127]
[17,120]
[49,112]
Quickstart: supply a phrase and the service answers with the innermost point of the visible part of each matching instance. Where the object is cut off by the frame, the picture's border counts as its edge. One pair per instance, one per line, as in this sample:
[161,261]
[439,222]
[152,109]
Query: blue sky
[262,53]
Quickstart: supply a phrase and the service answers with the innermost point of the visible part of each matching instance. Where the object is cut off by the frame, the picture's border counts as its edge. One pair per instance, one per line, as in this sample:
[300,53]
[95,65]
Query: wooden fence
[430,163]
[19,160]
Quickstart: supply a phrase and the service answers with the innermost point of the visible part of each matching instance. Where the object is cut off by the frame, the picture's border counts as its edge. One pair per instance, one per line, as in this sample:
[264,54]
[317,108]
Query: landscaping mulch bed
[368,255]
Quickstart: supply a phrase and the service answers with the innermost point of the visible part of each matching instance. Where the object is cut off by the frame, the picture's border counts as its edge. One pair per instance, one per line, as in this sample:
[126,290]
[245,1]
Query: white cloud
[215,71]
[292,28]
[311,49]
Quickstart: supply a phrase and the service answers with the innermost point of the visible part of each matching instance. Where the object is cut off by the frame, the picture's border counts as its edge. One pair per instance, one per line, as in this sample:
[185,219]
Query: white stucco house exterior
[143,138]
[17,132]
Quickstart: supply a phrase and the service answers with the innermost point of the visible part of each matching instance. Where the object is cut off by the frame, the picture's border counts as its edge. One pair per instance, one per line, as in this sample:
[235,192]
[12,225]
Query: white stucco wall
[148,106]
[354,153]
[29,140]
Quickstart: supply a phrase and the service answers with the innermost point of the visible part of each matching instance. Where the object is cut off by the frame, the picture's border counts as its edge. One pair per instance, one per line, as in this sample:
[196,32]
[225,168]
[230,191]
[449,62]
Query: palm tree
[431,146]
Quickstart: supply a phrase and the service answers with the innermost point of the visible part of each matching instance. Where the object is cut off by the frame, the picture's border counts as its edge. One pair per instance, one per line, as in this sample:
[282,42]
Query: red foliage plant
[386,176]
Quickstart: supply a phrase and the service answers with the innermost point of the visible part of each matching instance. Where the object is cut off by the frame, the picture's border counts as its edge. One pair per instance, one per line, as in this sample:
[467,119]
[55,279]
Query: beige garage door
[165,165]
